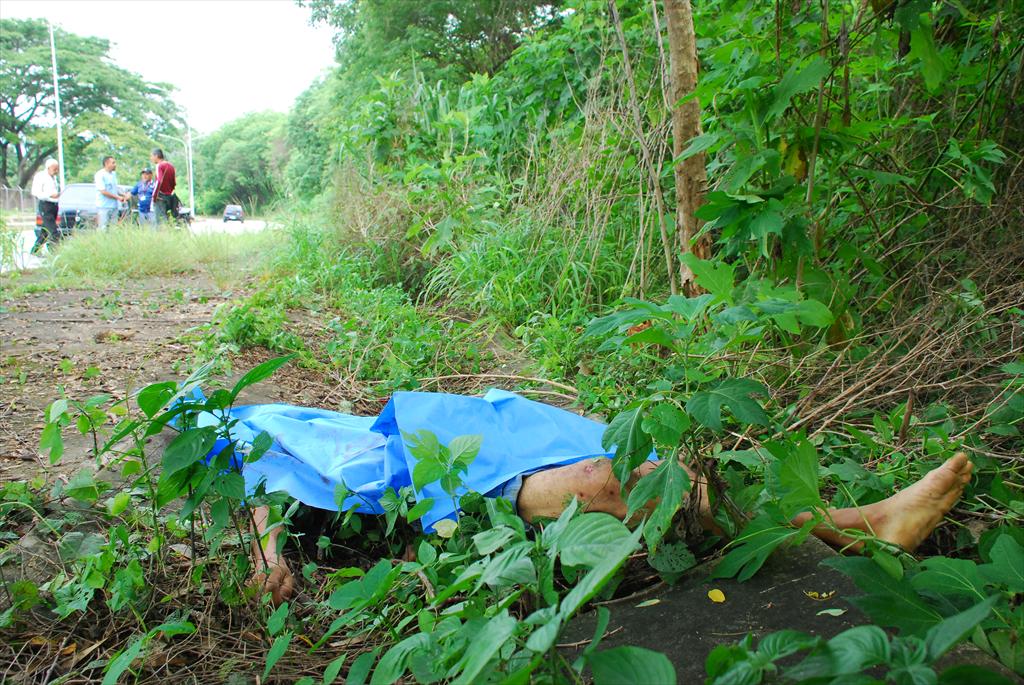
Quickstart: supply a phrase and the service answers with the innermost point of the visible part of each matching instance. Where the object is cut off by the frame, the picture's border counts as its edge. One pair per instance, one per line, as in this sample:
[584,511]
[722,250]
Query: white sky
[227,57]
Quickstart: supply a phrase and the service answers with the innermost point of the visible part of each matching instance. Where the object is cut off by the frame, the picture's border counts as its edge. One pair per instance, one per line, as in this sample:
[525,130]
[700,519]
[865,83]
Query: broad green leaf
[427,471]
[392,665]
[119,503]
[82,487]
[671,560]
[794,82]
[492,540]
[759,539]
[464,448]
[509,567]
[78,545]
[627,665]
[123,661]
[188,448]
[231,485]
[489,641]
[859,648]
[669,483]
[625,434]
[361,667]
[276,651]
[889,601]
[419,509]
[941,638]
[333,669]
[276,621]
[596,578]
[798,479]
[56,410]
[697,144]
[1007,567]
[588,537]
[922,47]
[689,307]
[155,397]
[814,313]
[715,277]
[953,576]
[666,423]
[735,395]
[52,440]
[259,373]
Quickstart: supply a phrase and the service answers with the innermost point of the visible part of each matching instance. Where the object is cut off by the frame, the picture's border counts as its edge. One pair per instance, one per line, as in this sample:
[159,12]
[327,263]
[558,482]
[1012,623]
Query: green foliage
[243,163]
[106,109]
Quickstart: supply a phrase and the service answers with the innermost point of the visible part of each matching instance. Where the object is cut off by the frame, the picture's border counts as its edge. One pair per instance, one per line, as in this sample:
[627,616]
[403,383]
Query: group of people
[154,193]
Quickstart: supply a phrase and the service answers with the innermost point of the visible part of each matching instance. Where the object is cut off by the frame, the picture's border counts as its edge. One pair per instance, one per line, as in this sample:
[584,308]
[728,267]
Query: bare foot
[278,581]
[909,516]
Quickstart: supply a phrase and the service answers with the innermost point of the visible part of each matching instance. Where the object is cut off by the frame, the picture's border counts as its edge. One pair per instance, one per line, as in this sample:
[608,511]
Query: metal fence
[17,200]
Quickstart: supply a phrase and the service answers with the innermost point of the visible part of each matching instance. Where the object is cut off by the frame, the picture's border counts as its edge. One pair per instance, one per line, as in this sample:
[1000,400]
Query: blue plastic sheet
[314,450]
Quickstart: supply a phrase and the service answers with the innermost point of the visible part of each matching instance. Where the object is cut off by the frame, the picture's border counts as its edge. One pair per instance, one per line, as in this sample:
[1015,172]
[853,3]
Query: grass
[97,258]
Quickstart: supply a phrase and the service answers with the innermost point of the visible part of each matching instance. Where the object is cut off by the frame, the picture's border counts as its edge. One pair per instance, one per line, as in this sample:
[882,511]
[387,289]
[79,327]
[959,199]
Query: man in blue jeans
[108,195]
[144,190]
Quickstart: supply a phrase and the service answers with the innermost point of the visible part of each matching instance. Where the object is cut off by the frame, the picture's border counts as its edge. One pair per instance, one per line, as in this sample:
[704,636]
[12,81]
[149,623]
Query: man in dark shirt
[165,184]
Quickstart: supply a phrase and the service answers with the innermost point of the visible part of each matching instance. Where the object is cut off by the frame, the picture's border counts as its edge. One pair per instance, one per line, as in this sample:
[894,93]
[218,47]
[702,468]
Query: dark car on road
[234,213]
[76,207]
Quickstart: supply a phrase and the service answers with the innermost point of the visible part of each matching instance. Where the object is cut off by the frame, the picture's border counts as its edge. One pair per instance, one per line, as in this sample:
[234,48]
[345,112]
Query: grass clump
[132,253]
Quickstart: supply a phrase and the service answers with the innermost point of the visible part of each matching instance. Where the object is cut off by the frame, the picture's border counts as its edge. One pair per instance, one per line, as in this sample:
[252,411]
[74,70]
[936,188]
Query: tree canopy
[242,162]
[101,102]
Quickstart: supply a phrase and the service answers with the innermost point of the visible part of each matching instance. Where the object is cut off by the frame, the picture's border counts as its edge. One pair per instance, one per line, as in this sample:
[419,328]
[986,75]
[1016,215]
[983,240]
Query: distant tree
[242,162]
[476,37]
[90,85]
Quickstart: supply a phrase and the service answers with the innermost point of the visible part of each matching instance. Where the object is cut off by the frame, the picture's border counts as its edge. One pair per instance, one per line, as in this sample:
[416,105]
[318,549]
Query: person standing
[165,184]
[46,191]
[144,190]
[108,195]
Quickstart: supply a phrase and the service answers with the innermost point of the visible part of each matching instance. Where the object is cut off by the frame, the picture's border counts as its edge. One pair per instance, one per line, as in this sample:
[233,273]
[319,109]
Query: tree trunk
[690,175]
[28,167]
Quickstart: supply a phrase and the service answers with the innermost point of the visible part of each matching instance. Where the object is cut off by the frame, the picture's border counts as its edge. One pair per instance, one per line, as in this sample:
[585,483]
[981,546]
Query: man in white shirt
[108,195]
[46,192]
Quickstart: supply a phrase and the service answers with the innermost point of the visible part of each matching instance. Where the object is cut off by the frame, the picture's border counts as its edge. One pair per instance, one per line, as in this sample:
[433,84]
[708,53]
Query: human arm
[101,187]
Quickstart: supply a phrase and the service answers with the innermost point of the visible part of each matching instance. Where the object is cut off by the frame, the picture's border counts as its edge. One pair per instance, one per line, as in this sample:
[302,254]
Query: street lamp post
[56,98]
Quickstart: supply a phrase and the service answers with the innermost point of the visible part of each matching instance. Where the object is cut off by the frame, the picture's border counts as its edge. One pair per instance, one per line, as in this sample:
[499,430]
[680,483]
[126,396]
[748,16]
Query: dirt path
[88,342]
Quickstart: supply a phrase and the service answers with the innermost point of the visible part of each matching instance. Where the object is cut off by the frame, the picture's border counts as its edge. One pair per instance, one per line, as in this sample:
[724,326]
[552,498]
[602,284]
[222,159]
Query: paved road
[26,237]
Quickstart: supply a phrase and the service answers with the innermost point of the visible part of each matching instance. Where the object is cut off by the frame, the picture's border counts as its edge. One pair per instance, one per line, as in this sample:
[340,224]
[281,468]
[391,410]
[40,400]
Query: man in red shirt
[165,184]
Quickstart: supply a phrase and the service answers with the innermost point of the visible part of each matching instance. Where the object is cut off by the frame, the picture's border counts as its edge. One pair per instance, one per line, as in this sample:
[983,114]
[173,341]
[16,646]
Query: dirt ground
[113,341]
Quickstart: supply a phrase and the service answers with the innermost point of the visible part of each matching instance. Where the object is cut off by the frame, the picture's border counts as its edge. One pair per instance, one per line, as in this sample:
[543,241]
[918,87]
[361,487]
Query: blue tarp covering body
[315,449]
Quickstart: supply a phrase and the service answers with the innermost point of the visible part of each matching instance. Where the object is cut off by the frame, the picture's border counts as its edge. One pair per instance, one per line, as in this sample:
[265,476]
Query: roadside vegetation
[847,315]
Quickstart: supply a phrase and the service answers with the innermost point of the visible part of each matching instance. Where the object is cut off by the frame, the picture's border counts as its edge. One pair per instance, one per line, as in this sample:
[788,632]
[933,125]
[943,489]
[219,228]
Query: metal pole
[191,183]
[56,97]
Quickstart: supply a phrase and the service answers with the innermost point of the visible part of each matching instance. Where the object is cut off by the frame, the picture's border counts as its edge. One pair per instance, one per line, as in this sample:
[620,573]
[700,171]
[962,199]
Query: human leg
[273,574]
[159,210]
[103,216]
[904,519]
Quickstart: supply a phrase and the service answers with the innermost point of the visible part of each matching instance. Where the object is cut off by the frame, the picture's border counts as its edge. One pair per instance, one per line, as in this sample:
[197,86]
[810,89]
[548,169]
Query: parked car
[76,207]
[234,213]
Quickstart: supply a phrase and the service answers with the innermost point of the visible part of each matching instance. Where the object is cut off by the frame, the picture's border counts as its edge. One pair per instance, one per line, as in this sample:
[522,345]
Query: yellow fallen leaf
[820,596]
[716,596]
